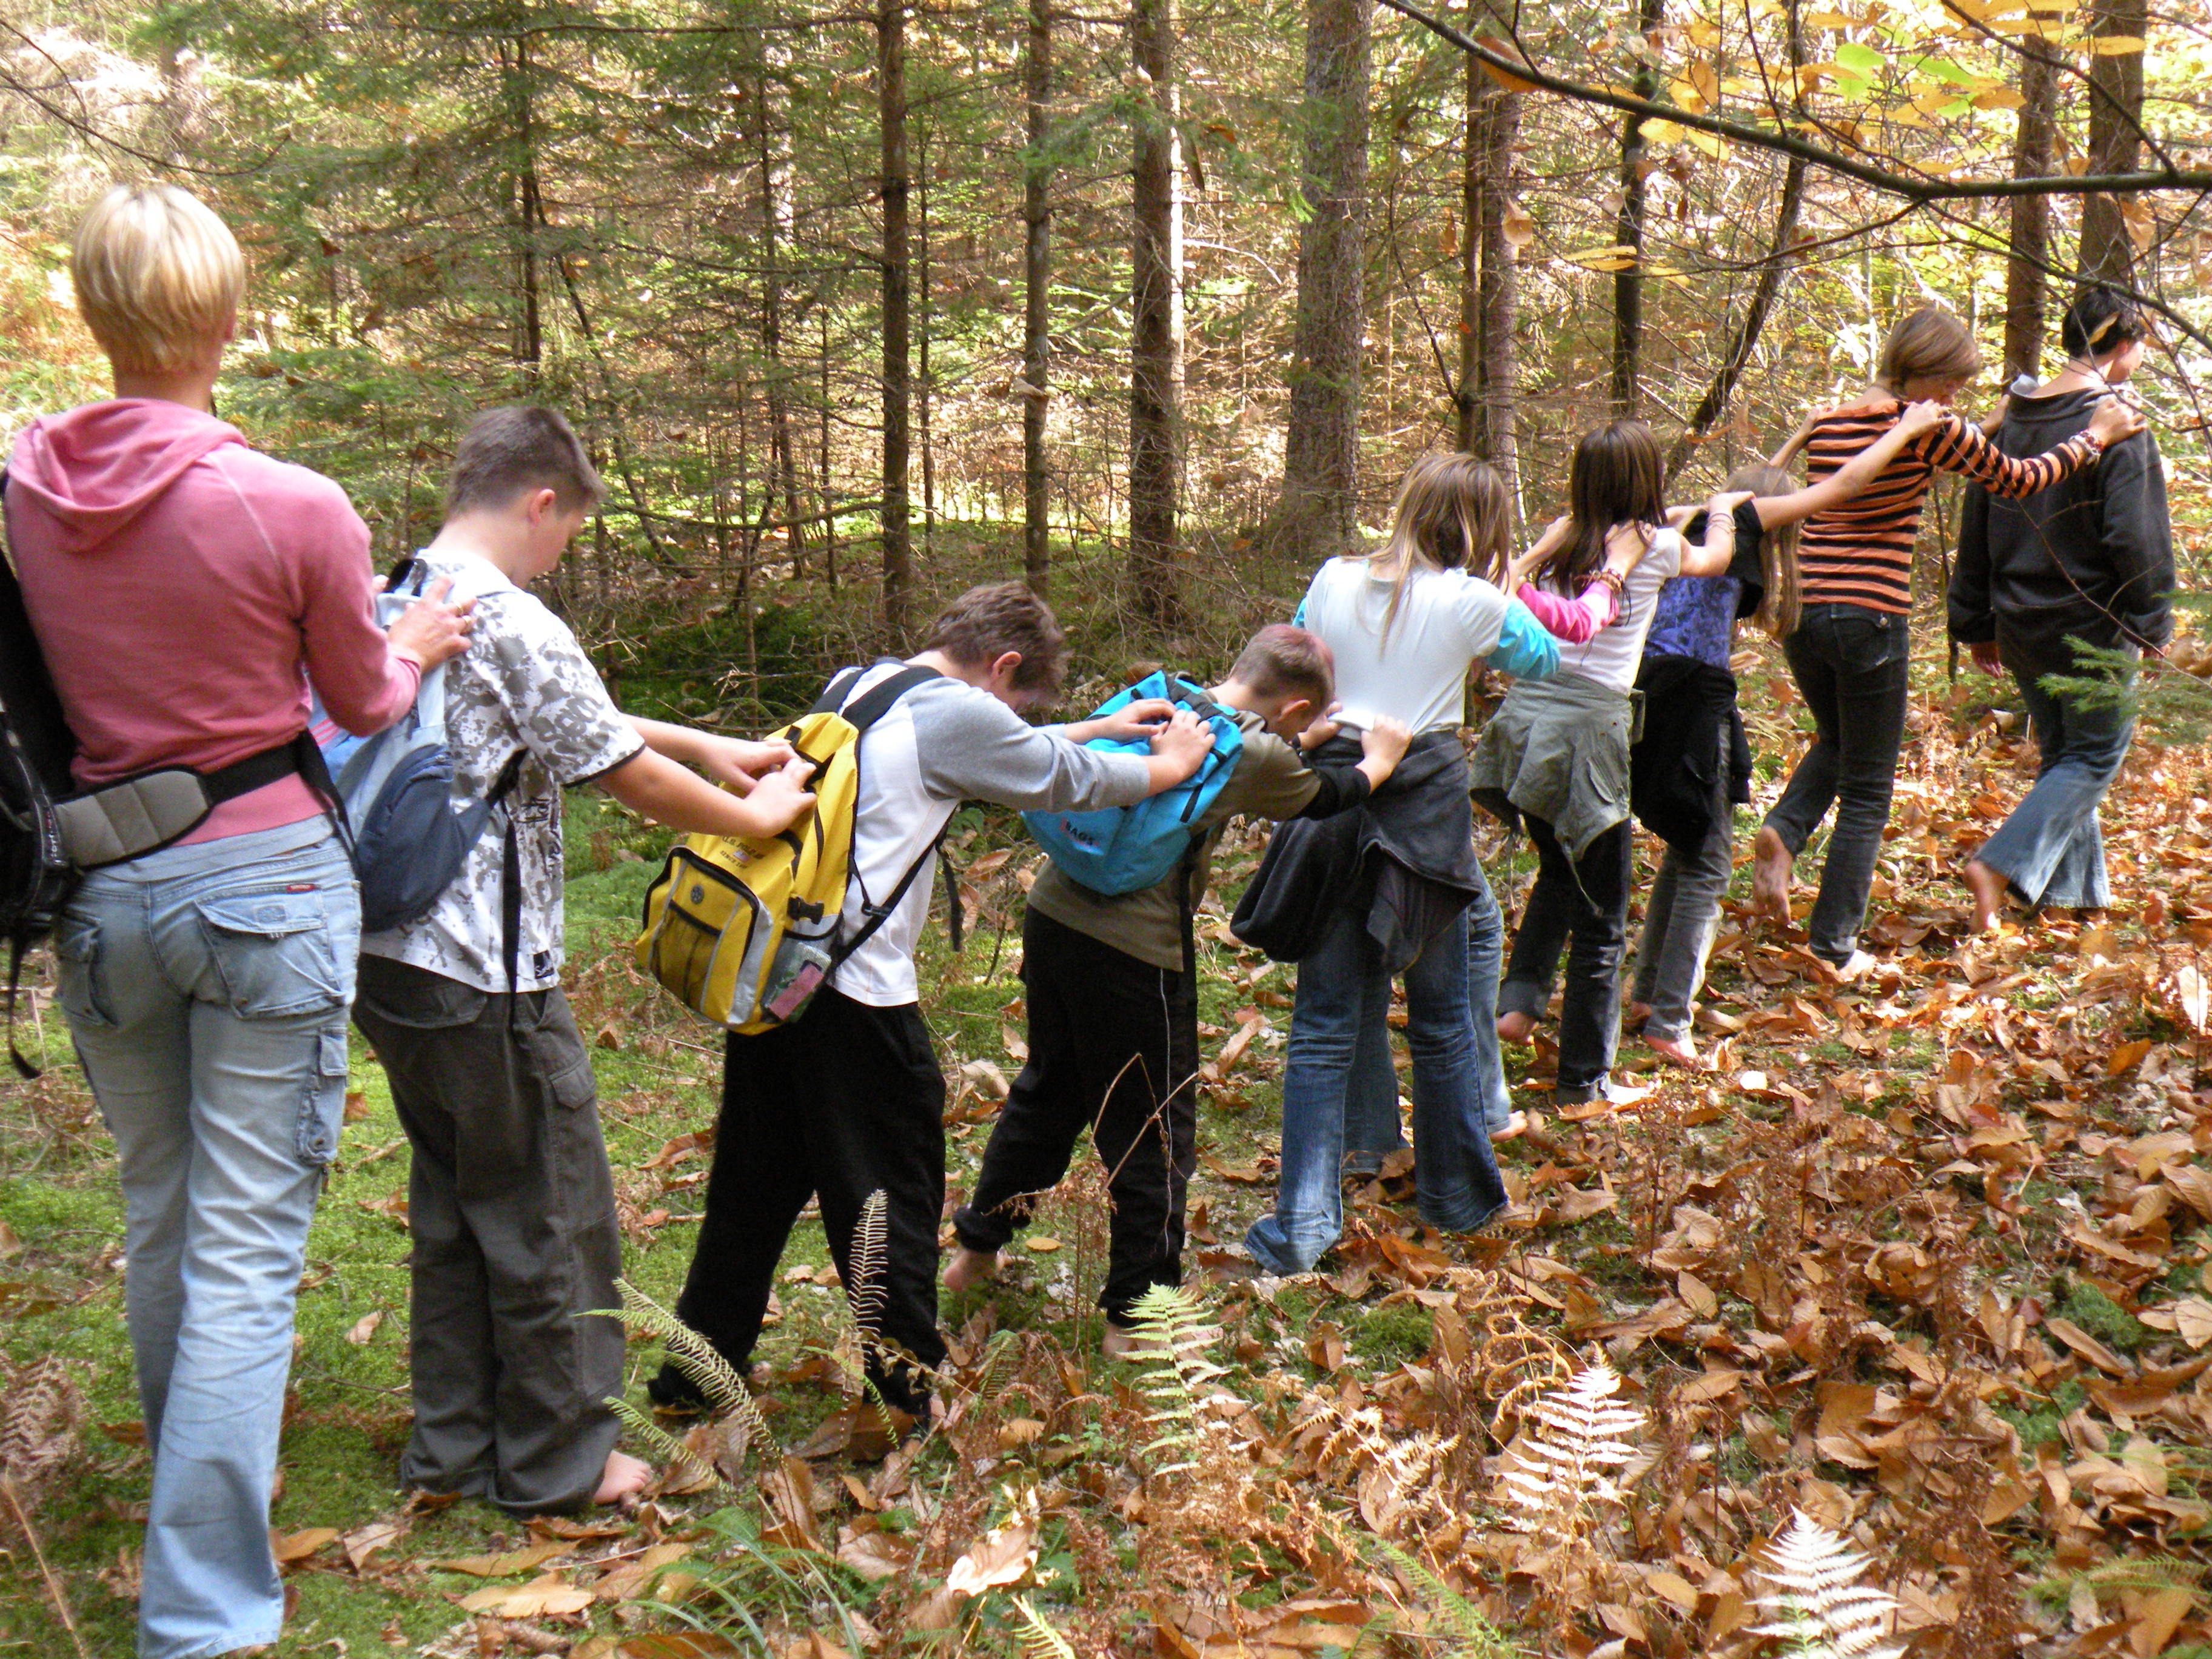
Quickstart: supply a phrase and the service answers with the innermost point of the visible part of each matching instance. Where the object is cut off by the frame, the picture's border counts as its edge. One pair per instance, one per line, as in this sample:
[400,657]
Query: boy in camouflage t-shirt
[510,1200]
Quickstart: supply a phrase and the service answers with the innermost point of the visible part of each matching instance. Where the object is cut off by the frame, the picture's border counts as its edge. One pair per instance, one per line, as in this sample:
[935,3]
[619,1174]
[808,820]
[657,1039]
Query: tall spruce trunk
[1499,307]
[2034,143]
[775,231]
[530,216]
[898,377]
[1467,395]
[1155,352]
[1318,513]
[1037,313]
[2115,96]
[1628,231]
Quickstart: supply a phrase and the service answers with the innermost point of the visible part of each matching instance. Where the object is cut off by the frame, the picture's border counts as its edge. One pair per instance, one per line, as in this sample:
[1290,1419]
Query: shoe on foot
[1514,1027]
[673,1390]
[623,1478]
[1771,864]
[969,1268]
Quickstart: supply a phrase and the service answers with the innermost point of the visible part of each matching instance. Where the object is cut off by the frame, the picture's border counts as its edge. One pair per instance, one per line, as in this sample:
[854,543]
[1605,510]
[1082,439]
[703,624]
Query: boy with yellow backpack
[841,1098]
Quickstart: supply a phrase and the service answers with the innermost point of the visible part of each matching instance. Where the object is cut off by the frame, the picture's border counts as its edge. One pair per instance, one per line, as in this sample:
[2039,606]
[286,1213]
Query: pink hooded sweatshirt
[185,589]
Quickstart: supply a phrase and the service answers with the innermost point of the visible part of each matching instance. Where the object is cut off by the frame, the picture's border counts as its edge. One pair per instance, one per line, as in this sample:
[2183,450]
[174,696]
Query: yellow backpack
[743,933]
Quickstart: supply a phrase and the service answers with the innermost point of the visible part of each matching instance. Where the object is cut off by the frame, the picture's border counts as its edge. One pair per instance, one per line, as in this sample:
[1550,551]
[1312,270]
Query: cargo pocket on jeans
[79,973]
[322,1110]
[272,951]
[557,1055]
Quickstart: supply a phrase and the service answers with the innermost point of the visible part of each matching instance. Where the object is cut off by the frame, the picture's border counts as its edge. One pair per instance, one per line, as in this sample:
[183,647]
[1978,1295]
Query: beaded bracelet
[1613,579]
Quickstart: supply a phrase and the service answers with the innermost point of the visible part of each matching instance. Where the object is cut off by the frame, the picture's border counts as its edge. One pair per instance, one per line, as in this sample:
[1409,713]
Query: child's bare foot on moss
[624,1478]
[1517,1125]
[969,1268]
[1514,1027]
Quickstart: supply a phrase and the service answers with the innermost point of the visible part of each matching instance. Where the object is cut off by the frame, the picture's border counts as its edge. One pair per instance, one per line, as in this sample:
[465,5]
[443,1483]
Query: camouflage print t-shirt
[523,684]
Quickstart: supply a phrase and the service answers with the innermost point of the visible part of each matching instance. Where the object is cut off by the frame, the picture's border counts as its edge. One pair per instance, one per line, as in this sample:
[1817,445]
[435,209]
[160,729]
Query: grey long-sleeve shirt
[941,744]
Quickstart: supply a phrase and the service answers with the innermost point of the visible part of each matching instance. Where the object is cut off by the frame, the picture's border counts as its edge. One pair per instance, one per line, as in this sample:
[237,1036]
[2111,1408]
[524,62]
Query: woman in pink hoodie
[186,590]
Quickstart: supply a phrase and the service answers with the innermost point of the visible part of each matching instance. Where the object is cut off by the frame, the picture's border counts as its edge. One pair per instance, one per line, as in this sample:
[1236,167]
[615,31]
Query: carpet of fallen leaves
[1927,1259]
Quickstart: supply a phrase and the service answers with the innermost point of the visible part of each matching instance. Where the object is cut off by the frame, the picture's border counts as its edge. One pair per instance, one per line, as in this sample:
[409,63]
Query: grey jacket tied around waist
[1406,859]
[1557,750]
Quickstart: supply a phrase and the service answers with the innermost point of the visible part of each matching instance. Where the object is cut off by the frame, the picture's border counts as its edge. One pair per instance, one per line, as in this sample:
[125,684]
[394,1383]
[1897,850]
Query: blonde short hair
[158,276]
[1931,344]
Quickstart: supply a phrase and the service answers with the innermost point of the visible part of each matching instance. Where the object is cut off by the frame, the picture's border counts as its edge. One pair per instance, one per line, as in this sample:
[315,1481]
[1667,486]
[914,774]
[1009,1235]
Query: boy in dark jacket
[1113,1014]
[2089,559]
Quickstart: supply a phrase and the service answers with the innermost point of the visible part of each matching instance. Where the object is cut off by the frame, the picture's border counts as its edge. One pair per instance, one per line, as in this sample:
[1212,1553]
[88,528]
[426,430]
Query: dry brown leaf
[874,1554]
[1002,1556]
[628,1580]
[535,1599]
[365,1327]
[505,1566]
[362,1543]
[289,1548]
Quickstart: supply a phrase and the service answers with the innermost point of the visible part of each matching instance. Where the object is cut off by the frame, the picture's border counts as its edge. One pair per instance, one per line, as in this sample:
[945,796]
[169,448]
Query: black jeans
[1849,665]
[844,1102]
[1112,1048]
[1586,900]
[511,1211]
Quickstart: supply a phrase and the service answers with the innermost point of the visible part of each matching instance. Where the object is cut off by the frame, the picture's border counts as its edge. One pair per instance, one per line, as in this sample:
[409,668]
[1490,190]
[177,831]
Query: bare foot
[622,1478]
[1119,1342]
[969,1268]
[1516,1126]
[1676,1051]
[1638,1013]
[1859,965]
[1988,886]
[1515,1027]
[1770,866]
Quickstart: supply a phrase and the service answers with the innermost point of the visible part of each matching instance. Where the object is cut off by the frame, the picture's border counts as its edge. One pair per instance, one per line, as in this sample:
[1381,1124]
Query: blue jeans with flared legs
[2052,849]
[207,986]
[1343,992]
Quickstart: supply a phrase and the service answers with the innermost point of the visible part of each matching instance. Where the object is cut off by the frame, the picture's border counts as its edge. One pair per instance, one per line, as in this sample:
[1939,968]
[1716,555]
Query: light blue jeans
[1343,992]
[1372,1130]
[2051,848]
[207,988]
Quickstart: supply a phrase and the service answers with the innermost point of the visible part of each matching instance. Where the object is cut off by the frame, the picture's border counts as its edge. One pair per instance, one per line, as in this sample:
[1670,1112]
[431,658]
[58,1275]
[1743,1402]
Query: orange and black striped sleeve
[1958,446]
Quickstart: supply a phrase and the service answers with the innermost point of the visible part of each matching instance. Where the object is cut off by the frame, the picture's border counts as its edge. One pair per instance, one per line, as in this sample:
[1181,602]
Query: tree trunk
[898,383]
[1745,341]
[1474,148]
[1628,231]
[1319,512]
[1498,374]
[1155,352]
[775,231]
[2116,95]
[2032,149]
[529,341]
[1036,320]
[923,386]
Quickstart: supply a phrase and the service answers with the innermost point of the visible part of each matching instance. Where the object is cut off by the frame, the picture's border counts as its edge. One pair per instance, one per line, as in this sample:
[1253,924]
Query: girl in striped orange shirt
[1849,654]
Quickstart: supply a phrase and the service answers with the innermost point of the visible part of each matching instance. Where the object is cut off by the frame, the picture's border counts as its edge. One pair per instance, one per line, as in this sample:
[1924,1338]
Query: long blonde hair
[1779,604]
[1452,512]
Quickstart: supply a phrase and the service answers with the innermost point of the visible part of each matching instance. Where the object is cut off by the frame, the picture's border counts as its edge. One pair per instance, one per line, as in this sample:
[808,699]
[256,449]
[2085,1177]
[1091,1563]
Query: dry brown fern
[38,1436]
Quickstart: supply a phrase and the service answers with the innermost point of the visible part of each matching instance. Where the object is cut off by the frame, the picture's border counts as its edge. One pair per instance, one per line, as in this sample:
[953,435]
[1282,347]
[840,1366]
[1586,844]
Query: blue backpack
[1125,849]
[410,836]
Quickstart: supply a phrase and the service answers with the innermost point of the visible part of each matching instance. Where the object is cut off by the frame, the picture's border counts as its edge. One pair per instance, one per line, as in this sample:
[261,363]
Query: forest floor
[1927,1257]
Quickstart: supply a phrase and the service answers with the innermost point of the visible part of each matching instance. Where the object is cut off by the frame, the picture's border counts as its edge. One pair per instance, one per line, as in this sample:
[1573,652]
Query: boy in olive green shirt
[1113,1013]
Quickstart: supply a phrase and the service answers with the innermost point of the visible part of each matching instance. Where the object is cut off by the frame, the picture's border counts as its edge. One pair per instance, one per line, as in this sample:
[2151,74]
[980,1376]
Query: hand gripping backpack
[1125,849]
[410,836]
[743,933]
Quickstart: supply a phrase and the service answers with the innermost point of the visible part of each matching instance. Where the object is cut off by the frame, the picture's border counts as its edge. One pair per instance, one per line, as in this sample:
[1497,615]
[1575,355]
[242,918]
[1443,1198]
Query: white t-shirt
[943,743]
[1447,620]
[1614,653]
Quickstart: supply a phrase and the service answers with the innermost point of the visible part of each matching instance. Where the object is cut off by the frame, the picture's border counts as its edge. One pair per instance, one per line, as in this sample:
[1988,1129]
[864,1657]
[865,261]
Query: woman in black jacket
[2090,559]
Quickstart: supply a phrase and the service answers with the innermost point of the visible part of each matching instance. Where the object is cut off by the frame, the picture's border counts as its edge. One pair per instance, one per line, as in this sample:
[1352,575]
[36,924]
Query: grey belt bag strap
[145,813]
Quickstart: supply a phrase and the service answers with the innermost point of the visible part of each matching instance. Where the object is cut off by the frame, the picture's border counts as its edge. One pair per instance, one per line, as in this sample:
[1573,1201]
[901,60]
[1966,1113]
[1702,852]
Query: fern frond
[1478,1639]
[1039,1639]
[1825,1612]
[663,1444]
[871,1246]
[695,1356]
[1172,1338]
[39,1432]
[1558,1468]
